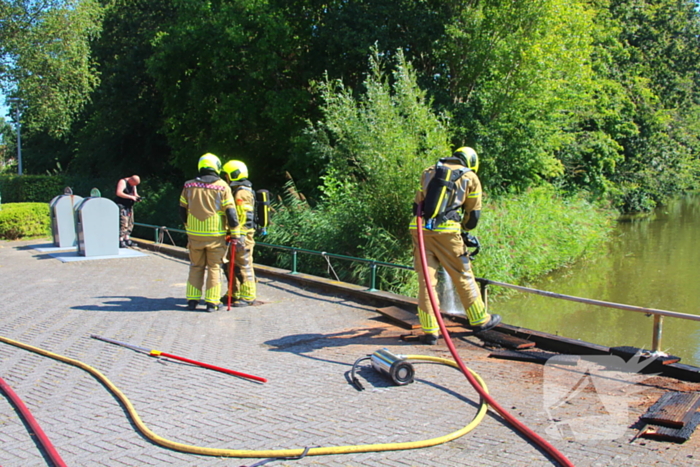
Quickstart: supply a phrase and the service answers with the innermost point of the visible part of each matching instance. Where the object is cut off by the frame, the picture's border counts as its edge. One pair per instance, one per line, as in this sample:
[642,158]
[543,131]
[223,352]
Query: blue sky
[3,107]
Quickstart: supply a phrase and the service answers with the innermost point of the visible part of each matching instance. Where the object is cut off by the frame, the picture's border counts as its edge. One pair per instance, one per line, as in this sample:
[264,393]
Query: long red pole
[33,424]
[231,269]
[158,353]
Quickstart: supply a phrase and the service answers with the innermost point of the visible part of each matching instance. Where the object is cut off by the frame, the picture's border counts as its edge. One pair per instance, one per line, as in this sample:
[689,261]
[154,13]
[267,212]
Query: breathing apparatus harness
[443,194]
[259,217]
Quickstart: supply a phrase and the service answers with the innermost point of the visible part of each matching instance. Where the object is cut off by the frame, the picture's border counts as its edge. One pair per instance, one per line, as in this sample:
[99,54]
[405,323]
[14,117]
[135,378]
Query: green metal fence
[161,231]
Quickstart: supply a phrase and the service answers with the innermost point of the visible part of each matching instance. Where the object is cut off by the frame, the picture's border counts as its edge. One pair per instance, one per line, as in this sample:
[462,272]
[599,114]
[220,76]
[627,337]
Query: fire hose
[534,437]
[33,424]
[276,453]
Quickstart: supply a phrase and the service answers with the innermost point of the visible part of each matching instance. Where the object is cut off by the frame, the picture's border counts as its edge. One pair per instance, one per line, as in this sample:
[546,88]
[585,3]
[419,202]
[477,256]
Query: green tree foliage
[122,124]
[373,148]
[659,67]
[594,95]
[228,72]
[30,188]
[341,33]
[45,58]
[516,76]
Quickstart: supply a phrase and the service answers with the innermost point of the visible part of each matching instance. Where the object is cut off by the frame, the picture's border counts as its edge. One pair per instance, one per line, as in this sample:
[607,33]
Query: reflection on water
[652,263]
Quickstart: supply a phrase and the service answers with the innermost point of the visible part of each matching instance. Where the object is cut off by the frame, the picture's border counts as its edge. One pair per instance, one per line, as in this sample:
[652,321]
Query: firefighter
[456,210]
[209,215]
[126,195]
[244,289]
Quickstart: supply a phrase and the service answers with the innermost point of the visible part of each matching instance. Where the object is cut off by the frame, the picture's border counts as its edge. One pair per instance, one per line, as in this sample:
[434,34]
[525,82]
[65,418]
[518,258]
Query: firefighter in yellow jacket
[450,201]
[209,215]
[244,289]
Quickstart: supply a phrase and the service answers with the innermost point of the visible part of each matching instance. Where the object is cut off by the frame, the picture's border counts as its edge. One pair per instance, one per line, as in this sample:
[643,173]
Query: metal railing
[658,314]
[160,231]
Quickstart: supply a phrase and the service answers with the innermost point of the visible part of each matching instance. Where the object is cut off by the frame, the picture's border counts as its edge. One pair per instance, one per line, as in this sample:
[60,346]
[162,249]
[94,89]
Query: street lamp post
[19,132]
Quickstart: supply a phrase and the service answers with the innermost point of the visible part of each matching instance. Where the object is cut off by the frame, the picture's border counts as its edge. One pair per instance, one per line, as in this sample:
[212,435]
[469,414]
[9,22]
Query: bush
[43,188]
[516,234]
[370,151]
[31,188]
[530,234]
[19,220]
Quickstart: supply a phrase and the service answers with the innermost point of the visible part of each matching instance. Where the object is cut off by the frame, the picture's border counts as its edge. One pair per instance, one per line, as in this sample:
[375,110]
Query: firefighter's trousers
[206,255]
[446,249]
[244,287]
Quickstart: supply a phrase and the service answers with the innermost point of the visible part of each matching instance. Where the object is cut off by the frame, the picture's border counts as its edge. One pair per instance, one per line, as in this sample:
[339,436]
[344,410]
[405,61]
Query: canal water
[652,262]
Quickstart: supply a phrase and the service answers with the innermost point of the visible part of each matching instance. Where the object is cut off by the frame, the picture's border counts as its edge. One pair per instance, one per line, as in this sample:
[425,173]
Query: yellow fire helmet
[236,170]
[209,161]
[468,156]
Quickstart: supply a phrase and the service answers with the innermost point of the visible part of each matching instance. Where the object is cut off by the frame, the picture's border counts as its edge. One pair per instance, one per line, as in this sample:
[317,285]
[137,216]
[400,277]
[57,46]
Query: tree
[120,130]
[229,74]
[45,58]
[658,66]
[516,76]
[373,147]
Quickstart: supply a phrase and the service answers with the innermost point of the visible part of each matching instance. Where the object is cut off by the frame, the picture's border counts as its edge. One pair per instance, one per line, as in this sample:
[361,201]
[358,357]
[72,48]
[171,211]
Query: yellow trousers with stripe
[445,249]
[244,286]
[206,255]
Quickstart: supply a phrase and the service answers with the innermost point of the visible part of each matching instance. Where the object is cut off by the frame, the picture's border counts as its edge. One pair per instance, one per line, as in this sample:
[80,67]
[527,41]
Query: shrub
[31,188]
[516,233]
[19,220]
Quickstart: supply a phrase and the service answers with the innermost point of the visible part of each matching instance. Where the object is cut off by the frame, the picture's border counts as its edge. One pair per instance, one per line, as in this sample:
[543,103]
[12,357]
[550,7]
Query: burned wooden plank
[505,340]
[452,320]
[628,352]
[403,318]
[673,409]
[408,320]
[535,357]
[677,435]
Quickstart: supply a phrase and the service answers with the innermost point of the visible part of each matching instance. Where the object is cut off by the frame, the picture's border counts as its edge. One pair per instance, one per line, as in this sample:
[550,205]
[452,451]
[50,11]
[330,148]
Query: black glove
[470,241]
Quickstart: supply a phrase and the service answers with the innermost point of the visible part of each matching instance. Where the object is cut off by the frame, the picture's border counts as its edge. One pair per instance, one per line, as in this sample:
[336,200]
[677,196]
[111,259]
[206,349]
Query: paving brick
[303,340]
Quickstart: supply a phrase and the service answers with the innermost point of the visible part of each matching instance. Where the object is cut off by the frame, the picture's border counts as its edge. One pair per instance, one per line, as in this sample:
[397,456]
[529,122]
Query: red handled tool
[158,353]
[231,270]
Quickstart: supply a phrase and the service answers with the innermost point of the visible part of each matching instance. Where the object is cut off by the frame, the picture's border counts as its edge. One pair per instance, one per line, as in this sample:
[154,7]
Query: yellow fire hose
[276,453]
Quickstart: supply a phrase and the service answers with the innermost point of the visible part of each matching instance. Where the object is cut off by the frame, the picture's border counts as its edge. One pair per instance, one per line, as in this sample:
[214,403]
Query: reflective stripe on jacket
[206,204]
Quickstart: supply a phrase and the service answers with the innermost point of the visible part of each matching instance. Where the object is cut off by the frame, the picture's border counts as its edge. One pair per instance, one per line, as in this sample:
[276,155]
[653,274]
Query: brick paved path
[302,340]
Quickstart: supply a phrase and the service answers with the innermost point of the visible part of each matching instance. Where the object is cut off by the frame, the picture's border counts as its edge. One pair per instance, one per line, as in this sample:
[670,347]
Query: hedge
[19,220]
[43,188]
[30,188]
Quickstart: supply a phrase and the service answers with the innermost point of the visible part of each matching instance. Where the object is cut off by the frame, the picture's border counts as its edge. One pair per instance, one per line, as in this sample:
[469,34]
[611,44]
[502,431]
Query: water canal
[652,262]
